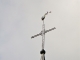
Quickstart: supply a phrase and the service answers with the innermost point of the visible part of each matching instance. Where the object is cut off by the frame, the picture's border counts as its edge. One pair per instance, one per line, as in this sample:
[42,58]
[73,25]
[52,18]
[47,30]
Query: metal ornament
[42,33]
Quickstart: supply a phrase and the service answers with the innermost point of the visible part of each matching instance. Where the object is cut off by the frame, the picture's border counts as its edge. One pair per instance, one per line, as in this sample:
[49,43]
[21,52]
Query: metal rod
[43,34]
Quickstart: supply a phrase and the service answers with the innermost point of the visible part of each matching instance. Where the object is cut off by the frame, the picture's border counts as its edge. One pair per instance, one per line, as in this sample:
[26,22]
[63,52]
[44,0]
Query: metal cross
[42,33]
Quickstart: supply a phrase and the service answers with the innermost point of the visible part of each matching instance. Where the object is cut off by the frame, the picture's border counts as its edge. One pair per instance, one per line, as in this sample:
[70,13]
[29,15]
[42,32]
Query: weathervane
[42,33]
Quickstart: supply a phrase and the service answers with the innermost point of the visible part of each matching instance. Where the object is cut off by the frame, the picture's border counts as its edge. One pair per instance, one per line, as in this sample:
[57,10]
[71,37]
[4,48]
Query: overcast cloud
[20,19]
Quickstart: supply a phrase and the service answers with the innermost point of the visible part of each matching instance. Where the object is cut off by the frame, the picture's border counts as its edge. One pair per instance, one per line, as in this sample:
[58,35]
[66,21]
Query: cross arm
[36,35]
[50,30]
[44,32]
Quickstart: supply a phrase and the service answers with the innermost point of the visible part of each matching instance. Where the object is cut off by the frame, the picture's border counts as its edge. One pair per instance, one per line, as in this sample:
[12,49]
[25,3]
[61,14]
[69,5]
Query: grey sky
[20,19]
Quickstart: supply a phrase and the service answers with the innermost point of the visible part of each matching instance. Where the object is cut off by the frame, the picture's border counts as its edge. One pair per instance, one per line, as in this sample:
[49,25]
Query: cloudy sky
[21,19]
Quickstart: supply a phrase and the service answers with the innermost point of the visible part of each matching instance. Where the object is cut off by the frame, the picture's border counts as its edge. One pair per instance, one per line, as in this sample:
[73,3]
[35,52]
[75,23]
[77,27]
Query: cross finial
[43,17]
